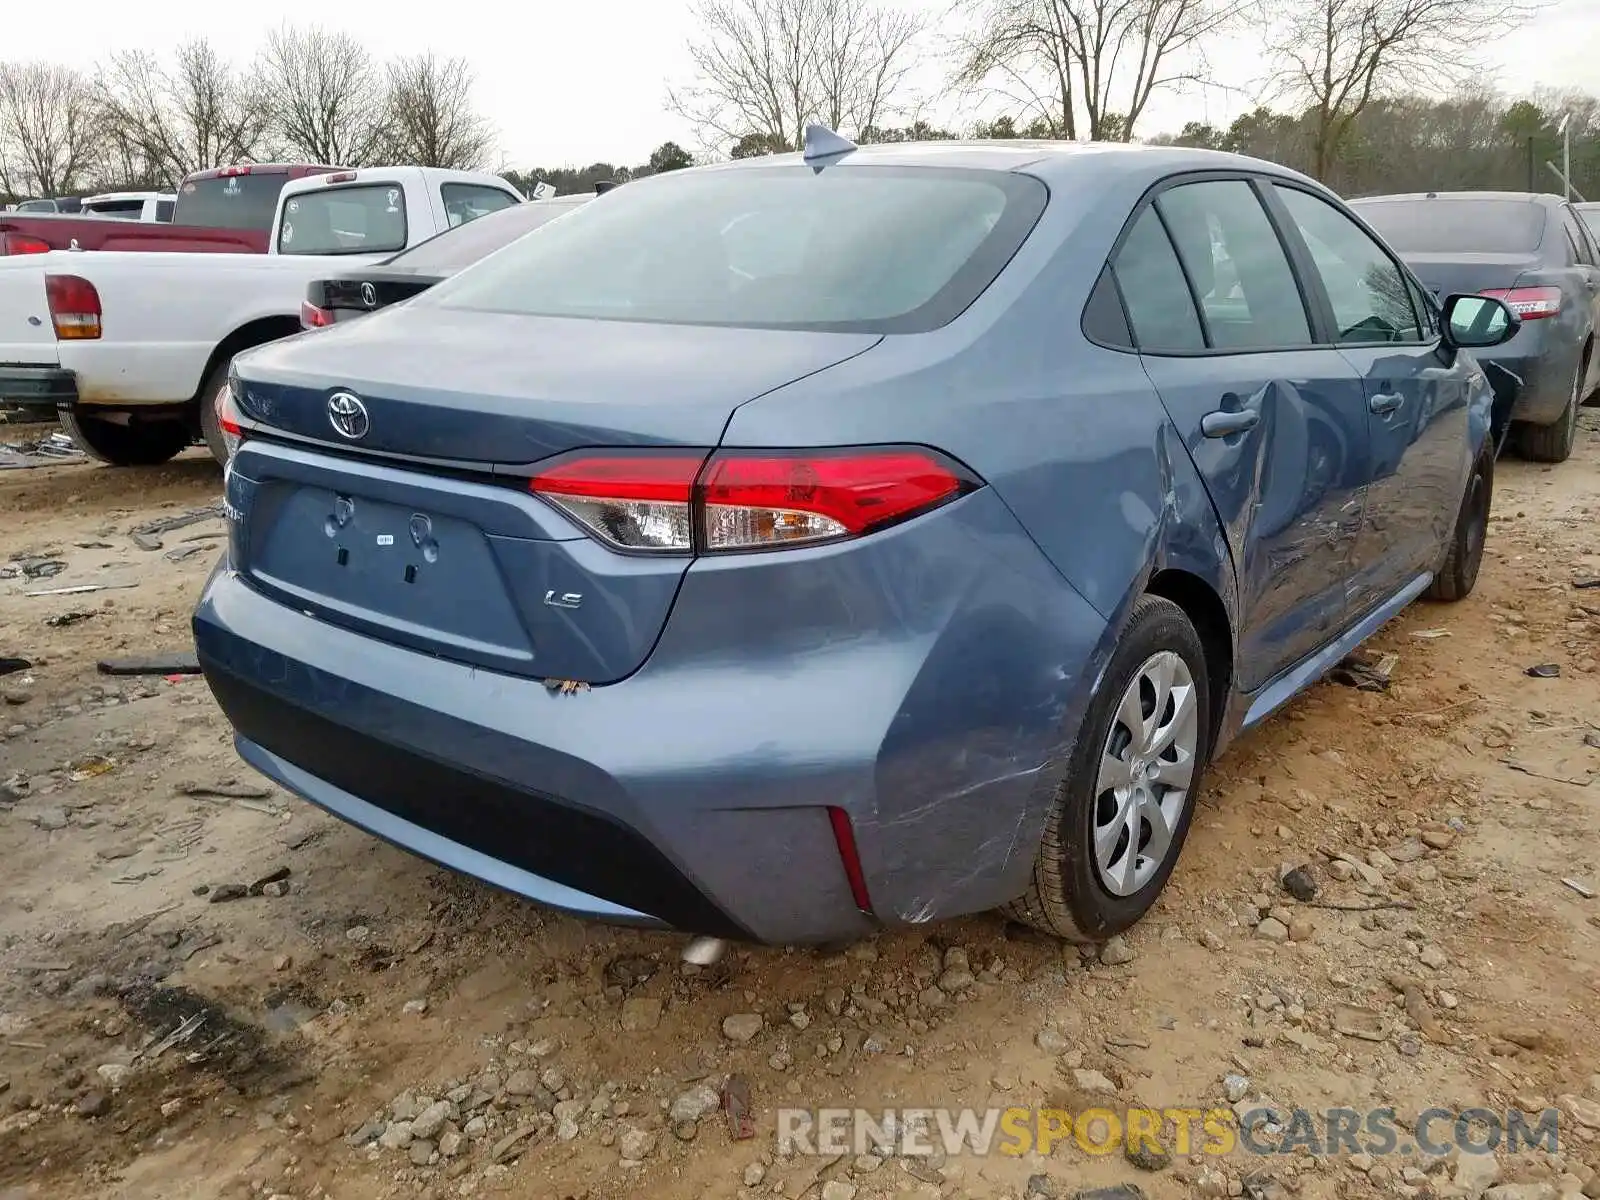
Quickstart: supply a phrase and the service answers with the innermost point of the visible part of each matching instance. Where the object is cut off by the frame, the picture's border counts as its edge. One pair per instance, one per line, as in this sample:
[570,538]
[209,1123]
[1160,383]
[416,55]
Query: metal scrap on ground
[182,663]
[148,535]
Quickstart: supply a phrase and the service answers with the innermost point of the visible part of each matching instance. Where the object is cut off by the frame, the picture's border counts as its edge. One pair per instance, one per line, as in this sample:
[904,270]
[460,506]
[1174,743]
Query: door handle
[1385,402]
[1224,423]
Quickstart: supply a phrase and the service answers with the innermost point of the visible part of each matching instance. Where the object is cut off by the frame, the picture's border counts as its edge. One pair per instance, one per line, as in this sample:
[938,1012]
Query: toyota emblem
[369,295]
[348,416]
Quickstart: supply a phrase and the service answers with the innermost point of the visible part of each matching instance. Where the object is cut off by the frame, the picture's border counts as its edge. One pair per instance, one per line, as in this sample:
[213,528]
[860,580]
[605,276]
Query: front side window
[852,249]
[464,202]
[1239,269]
[1369,293]
[366,218]
[1160,306]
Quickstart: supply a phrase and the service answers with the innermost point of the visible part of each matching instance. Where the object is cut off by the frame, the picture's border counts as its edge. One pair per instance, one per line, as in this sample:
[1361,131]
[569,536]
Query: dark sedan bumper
[44,388]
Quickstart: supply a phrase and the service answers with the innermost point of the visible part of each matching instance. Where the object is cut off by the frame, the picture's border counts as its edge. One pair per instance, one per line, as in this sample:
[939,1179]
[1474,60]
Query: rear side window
[852,249]
[366,218]
[1579,239]
[464,202]
[1239,269]
[163,210]
[1445,224]
[1160,305]
[1591,218]
[456,248]
[234,202]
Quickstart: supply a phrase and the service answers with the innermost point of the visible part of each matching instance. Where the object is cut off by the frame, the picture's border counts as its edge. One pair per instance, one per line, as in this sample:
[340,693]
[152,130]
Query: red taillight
[679,501]
[1529,303]
[312,317]
[845,836]
[23,243]
[758,500]
[228,418]
[74,306]
[339,177]
[229,172]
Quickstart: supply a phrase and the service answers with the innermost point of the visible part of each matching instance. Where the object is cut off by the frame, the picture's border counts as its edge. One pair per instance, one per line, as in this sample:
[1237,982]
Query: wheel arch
[1209,616]
[251,334]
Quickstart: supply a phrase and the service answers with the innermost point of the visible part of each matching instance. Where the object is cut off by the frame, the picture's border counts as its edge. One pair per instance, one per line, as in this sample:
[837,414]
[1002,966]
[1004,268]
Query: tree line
[1348,91]
[142,120]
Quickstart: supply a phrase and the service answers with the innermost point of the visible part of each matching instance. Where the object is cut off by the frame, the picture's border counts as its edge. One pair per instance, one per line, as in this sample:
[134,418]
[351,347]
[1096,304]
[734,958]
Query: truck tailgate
[27,337]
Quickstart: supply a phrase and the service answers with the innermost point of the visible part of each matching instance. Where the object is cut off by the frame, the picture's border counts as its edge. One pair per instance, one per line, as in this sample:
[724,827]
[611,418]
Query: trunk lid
[347,297]
[1445,274]
[455,556]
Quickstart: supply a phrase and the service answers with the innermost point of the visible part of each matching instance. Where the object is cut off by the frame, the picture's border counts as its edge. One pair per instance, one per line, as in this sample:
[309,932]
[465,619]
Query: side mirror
[1477,322]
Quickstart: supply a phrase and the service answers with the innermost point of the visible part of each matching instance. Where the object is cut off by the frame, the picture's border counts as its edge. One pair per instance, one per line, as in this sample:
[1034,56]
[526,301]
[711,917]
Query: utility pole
[1566,156]
[1531,172]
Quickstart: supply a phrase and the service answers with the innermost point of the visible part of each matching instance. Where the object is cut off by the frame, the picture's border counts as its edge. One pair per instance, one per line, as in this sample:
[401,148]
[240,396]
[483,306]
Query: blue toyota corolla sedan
[791,548]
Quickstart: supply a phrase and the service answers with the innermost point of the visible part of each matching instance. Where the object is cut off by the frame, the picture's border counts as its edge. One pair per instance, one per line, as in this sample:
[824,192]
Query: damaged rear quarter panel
[1093,493]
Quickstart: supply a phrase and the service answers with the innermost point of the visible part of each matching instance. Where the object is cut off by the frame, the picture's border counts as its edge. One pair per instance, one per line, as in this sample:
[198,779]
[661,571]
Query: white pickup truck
[129,347]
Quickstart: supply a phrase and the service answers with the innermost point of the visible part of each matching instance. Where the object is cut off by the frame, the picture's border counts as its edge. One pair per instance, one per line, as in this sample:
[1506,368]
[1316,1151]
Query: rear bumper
[1545,370]
[41,387]
[695,793]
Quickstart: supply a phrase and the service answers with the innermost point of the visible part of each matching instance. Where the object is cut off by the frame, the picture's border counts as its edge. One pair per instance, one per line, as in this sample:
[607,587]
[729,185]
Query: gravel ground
[360,1024]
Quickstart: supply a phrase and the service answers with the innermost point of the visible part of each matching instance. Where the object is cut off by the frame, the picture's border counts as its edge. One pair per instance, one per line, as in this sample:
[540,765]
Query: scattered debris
[148,535]
[64,620]
[83,589]
[1544,671]
[1299,884]
[10,666]
[737,1104]
[157,664]
[1585,584]
[1429,635]
[225,791]
[178,554]
[224,892]
[1365,673]
[91,765]
[1580,887]
[260,886]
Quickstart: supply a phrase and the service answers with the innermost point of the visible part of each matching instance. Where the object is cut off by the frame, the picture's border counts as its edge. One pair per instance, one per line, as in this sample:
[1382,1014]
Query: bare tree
[196,113]
[326,96]
[1106,58]
[431,120]
[764,69]
[1338,56]
[47,128]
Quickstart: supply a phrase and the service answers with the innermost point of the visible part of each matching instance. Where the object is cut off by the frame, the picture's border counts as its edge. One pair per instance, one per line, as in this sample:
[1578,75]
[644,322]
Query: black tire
[1067,897]
[1456,578]
[210,430]
[136,444]
[1553,443]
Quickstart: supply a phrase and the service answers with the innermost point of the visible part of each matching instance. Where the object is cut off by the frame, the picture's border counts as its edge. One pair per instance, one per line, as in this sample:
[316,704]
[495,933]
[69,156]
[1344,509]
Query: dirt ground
[366,1025]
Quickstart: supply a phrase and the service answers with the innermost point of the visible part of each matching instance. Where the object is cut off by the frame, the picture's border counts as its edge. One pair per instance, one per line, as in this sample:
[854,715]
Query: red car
[222,210]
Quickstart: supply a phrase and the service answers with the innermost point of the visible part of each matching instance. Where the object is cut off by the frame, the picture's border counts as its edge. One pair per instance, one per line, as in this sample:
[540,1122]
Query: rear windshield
[237,202]
[367,218]
[117,208]
[868,249]
[1438,226]
[465,244]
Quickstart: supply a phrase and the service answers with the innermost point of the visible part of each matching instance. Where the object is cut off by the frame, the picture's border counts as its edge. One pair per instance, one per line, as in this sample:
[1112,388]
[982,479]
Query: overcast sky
[574,83]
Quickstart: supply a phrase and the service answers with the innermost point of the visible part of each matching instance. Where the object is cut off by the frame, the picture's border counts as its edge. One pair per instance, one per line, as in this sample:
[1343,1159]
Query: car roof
[1046,159]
